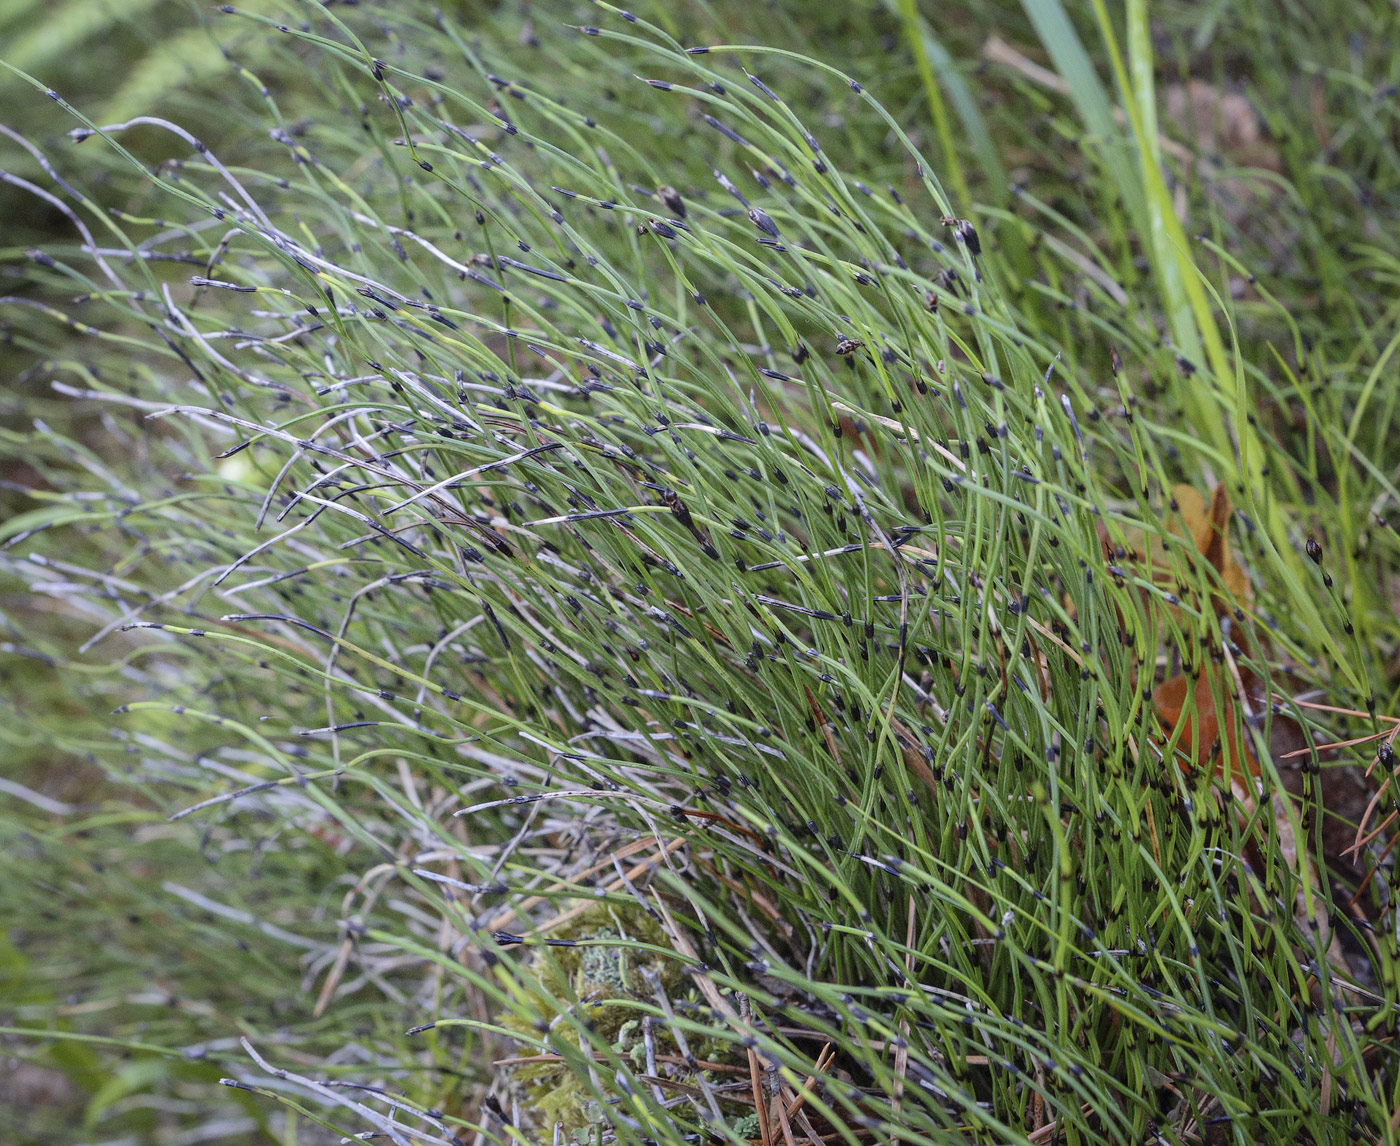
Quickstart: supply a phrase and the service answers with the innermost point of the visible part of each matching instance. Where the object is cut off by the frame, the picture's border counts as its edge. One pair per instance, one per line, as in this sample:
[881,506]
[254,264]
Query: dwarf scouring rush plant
[702,623]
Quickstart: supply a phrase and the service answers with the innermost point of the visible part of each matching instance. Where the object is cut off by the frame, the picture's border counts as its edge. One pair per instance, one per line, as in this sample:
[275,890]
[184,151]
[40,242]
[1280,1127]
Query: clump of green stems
[475,497]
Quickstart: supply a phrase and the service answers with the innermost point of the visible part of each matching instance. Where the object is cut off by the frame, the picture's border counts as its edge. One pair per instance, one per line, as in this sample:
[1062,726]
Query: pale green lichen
[746,1127]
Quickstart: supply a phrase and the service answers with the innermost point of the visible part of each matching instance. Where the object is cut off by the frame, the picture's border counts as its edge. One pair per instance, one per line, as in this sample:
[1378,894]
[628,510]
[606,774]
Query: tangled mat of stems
[691,638]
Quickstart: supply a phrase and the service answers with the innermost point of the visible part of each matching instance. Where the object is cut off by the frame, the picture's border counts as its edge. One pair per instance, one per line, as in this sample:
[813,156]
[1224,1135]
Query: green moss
[596,982]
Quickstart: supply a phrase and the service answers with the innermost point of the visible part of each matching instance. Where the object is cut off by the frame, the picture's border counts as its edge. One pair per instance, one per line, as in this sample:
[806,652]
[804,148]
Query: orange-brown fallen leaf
[1206,708]
[1206,526]
[1210,732]
[1209,528]
[1206,736]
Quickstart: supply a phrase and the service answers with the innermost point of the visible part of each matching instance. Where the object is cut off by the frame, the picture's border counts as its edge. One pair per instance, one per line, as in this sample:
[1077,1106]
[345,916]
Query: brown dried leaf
[1218,121]
[1210,733]
[1209,528]
[1206,736]
[1205,526]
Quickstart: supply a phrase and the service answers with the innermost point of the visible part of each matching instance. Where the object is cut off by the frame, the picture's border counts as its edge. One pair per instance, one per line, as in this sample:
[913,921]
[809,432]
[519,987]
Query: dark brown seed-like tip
[674,203]
[763,221]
